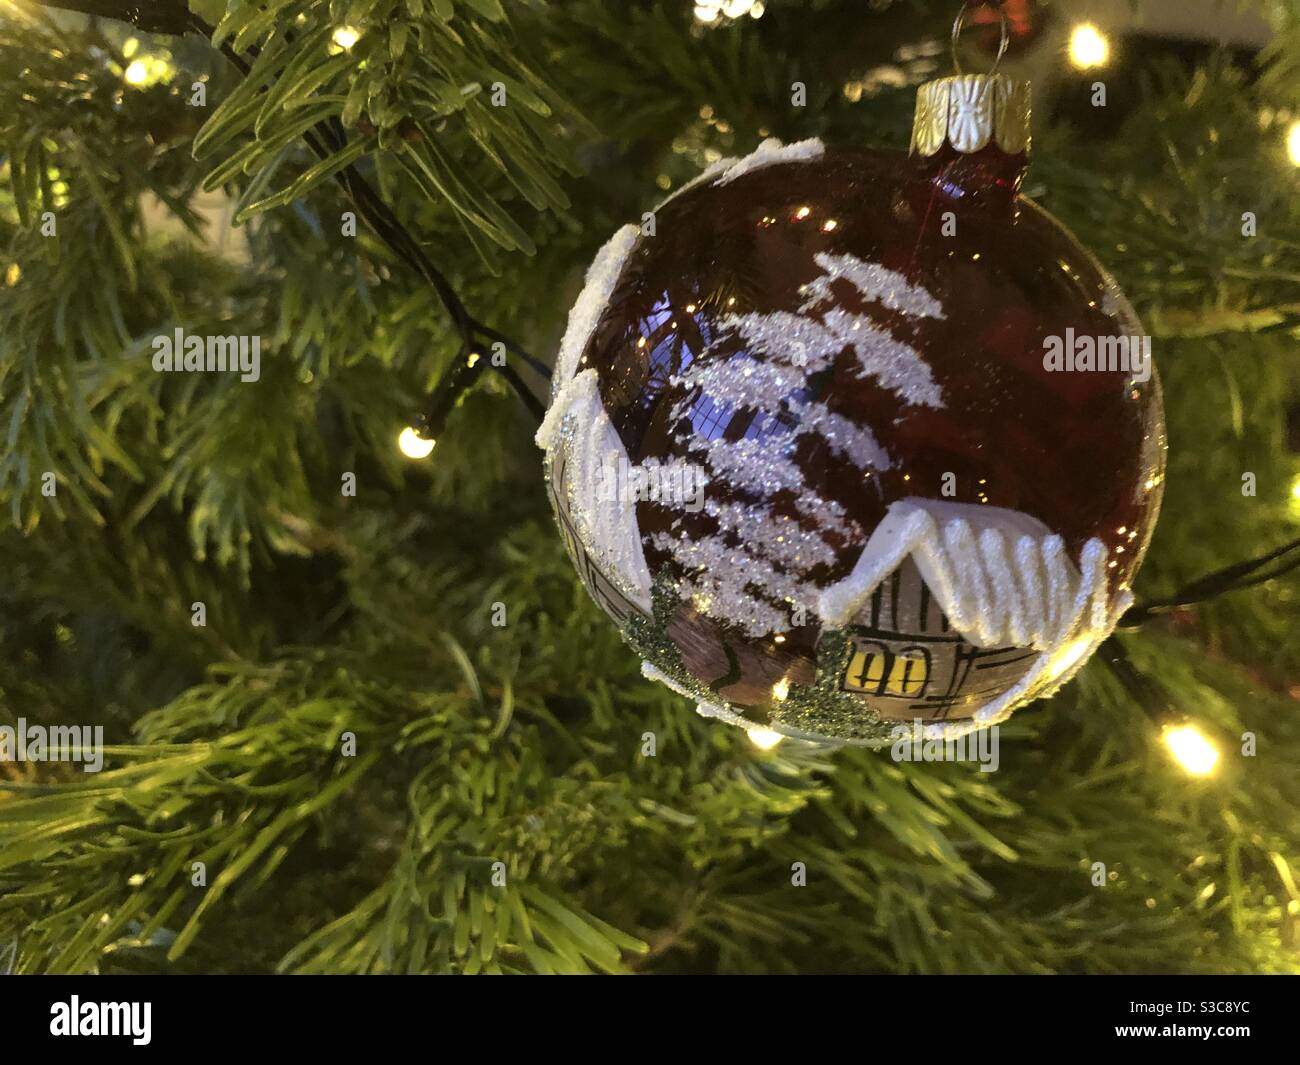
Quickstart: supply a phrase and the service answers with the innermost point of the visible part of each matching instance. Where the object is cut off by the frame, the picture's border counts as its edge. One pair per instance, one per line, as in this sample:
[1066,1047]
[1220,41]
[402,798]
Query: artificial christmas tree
[358,715]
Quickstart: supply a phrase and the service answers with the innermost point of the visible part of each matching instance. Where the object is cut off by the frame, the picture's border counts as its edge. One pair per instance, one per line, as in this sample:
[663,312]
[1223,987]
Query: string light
[144,71]
[345,37]
[1192,749]
[413,445]
[1293,143]
[764,738]
[711,10]
[781,690]
[1088,47]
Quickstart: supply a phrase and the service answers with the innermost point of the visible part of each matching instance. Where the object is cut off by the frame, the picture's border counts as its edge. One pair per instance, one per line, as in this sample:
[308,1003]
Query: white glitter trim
[560,404]
[996,588]
[652,672]
[1000,581]
[770,153]
[704,177]
[604,520]
[602,275]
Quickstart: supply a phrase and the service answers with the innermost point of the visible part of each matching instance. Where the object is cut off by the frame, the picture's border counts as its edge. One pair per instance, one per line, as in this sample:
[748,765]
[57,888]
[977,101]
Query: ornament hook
[959,24]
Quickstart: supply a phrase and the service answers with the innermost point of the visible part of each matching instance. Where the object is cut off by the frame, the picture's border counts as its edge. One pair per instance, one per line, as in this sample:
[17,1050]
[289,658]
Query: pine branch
[326,139]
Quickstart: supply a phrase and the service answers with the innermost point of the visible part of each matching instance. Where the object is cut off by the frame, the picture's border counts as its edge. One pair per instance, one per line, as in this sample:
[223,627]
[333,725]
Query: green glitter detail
[820,709]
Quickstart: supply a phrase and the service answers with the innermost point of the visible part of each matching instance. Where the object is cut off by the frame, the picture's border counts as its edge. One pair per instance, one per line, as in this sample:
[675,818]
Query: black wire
[328,137]
[1229,579]
[1148,696]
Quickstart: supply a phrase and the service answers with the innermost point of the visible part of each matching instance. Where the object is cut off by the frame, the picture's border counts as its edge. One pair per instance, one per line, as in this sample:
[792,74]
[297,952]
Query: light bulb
[346,36]
[137,73]
[413,445]
[1293,143]
[1088,46]
[1192,749]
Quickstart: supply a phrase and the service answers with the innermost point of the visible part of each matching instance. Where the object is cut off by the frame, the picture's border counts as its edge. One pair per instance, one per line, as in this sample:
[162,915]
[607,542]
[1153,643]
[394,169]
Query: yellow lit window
[908,673]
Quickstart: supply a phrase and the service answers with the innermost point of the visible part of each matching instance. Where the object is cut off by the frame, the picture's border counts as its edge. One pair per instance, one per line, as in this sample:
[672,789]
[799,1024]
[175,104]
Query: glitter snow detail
[770,153]
[875,282]
[754,570]
[806,344]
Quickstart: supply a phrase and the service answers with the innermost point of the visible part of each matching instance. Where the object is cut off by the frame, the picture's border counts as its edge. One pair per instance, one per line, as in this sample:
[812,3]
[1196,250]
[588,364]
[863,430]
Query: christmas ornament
[854,438]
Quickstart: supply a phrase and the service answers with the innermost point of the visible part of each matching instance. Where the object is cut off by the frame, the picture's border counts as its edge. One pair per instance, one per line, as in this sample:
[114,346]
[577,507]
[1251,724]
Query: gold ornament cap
[970,111]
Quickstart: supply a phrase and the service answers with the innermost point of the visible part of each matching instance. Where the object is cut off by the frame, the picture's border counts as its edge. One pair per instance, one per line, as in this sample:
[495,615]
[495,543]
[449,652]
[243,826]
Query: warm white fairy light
[1089,47]
[764,738]
[1194,751]
[709,11]
[346,36]
[1293,143]
[144,70]
[413,445]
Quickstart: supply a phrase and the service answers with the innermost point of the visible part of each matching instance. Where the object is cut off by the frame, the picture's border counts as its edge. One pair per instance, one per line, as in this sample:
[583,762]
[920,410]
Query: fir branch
[327,141]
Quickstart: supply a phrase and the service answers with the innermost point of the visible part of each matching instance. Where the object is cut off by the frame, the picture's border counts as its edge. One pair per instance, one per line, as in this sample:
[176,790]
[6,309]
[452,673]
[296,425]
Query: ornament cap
[970,111]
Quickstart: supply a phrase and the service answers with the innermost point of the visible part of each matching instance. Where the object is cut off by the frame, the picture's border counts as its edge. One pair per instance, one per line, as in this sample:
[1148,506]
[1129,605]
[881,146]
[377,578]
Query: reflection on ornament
[1088,47]
[1191,749]
[1068,657]
[413,445]
[764,738]
[909,512]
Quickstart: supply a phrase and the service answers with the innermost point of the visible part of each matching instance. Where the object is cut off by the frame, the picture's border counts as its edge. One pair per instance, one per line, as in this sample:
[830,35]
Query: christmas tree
[281,282]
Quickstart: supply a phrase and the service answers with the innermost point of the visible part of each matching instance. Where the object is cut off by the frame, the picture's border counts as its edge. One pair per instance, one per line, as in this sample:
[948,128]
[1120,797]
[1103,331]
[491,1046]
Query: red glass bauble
[813,355]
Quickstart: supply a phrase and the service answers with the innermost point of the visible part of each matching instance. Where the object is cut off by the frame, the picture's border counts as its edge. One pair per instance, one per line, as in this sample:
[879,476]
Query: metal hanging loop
[959,24]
